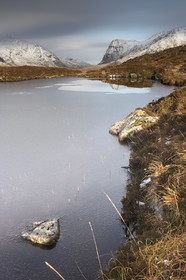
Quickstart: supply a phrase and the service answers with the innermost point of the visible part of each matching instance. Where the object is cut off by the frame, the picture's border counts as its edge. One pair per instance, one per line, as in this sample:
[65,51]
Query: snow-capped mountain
[74,63]
[16,52]
[116,49]
[156,43]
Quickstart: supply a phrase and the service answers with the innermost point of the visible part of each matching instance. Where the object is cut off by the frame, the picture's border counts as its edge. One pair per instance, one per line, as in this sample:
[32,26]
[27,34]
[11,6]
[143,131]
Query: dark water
[57,159]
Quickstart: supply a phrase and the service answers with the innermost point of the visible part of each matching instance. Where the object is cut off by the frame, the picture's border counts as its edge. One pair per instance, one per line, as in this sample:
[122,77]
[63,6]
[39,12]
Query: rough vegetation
[167,66]
[158,180]
[21,73]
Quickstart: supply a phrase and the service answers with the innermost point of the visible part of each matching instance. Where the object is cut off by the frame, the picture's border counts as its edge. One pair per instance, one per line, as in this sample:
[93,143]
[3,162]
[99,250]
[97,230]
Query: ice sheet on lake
[45,87]
[98,86]
[21,93]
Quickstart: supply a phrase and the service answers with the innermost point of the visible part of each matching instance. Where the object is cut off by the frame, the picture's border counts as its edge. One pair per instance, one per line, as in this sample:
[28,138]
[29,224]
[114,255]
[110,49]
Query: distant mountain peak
[116,49]
[120,51]
[18,52]
[74,63]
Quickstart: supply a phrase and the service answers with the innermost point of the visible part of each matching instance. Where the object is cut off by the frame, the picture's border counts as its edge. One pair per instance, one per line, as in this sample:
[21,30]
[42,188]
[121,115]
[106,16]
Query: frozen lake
[57,160]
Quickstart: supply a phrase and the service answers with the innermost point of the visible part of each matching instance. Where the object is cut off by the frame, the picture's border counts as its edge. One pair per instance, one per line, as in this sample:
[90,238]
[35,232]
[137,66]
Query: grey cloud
[70,16]
[41,19]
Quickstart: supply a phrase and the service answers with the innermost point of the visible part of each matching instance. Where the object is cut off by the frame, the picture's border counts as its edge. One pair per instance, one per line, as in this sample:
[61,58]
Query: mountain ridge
[17,52]
[116,48]
[73,63]
[155,43]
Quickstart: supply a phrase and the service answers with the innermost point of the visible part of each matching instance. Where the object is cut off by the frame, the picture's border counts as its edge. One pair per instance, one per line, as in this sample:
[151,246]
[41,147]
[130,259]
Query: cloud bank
[82,28]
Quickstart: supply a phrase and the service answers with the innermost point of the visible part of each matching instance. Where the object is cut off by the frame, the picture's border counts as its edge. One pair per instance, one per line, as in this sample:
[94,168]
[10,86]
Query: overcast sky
[82,28]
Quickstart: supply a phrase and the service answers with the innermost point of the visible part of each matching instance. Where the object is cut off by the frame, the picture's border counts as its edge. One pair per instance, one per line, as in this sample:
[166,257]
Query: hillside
[21,73]
[167,66]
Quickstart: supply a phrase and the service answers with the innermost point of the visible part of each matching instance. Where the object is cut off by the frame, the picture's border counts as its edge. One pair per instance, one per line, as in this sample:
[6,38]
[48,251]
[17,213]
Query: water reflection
[98,86]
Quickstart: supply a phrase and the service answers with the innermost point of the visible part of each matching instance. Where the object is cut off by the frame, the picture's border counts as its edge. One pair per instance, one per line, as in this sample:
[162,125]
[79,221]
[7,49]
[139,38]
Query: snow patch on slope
[156,43]
[74,63]
[116,49]
[16,52]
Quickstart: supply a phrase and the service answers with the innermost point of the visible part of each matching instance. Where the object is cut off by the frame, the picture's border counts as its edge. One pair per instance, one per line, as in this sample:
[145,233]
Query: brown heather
[160,150]
[167,66]
[21,73]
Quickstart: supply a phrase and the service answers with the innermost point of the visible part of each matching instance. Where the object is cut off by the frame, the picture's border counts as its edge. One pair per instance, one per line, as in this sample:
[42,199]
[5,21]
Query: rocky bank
[136,121]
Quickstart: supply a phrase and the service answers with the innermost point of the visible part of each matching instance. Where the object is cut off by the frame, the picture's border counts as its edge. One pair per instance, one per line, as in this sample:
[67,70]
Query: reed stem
[121,217]
[96,247]
[55,270]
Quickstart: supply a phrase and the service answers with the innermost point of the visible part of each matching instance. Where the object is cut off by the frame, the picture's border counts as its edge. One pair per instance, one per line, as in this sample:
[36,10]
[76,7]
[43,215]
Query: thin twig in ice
[55,270]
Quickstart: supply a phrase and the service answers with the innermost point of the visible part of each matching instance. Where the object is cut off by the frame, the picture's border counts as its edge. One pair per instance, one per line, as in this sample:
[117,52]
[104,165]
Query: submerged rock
[133,123]
[43,232]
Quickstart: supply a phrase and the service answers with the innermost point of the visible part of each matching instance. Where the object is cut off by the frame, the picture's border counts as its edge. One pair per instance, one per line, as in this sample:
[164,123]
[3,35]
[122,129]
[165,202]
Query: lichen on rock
[133,123]
[43,232]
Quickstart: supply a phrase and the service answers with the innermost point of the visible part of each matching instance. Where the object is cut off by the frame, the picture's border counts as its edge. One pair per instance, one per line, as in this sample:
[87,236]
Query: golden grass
[158,153]
[51,267]
[166,258]
[98,257]
[162,261]
[157,168]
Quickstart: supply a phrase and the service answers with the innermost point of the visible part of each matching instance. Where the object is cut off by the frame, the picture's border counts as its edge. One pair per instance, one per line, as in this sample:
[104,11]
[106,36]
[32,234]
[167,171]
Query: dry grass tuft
[166,258]
[157,168]
[162,260]
[159,154]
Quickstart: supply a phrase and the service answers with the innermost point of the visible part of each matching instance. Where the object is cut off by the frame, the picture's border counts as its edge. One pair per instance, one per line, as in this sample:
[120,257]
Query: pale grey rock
[43,232]
[133,123]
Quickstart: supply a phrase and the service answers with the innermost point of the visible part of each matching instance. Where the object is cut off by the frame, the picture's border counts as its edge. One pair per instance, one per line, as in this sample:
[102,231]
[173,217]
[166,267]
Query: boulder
[133,123]
[43,232]
[133,76]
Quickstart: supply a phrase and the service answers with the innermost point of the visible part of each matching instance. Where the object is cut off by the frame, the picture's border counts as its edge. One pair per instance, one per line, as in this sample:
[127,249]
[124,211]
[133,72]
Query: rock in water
[44,232]
[134,122]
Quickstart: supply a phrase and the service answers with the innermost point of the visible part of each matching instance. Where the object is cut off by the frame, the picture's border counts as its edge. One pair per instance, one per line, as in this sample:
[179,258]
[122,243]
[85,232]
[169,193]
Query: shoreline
[24,73]
[153,207]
